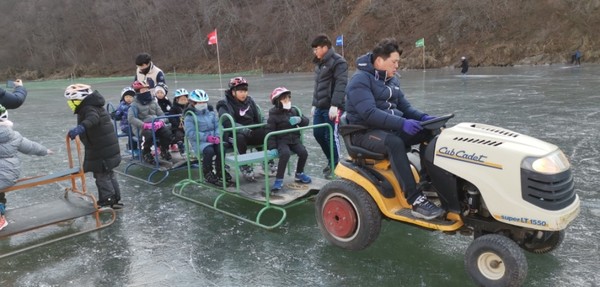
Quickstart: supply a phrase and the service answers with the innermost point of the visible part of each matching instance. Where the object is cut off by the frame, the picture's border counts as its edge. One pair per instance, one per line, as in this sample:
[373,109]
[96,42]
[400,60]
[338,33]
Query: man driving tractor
[374,100]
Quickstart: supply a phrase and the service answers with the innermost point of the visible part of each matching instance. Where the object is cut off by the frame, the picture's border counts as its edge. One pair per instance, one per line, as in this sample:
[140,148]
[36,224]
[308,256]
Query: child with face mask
[282,117]
[202,131]
[141,115]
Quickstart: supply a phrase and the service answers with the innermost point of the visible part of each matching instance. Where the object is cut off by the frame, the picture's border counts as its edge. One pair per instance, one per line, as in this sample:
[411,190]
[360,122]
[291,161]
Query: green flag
[420,43]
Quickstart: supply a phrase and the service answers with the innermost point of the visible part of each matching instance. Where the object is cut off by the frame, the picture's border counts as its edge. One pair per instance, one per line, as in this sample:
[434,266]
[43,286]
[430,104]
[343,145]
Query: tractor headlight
[553,163]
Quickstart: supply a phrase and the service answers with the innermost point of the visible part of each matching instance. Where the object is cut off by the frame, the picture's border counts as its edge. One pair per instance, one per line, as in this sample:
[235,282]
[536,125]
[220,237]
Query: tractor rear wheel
[347,215]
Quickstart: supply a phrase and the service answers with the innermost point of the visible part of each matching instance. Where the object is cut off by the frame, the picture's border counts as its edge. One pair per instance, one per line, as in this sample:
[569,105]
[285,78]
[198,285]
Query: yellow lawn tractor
[507,190]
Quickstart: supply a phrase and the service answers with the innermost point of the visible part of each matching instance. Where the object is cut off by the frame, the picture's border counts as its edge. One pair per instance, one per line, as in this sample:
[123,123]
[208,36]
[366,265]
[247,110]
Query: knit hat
[160,88]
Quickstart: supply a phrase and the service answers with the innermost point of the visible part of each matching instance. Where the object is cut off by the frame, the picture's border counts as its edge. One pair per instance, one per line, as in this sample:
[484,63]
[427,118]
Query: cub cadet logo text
[465,156]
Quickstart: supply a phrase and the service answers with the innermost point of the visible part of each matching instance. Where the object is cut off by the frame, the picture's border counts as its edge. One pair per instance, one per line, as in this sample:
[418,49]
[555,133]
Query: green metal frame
[223,192]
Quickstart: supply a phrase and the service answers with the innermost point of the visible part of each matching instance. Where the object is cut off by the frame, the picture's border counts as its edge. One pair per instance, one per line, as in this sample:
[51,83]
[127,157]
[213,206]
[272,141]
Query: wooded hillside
[44,39]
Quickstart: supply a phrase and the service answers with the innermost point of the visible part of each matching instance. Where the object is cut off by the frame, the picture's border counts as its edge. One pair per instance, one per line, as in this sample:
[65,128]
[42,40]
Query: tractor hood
[494,159]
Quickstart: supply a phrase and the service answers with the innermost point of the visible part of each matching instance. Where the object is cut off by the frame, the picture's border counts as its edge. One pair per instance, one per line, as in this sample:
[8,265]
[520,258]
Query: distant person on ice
[576,58]
[464,65]
[147,73]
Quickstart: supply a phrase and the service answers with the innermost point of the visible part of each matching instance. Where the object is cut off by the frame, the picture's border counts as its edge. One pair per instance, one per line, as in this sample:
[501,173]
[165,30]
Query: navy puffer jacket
[13,100]
[377,102]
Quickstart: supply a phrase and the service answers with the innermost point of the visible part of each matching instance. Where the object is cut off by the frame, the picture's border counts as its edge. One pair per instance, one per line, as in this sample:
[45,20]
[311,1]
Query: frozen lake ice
[161,240]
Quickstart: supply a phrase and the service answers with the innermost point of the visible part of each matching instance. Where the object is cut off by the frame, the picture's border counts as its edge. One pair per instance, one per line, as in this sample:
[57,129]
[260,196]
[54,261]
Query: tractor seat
[346,130]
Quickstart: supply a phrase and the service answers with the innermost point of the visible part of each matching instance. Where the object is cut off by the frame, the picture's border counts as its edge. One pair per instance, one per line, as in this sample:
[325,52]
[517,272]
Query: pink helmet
[237,81]
[278,92]
[137,86]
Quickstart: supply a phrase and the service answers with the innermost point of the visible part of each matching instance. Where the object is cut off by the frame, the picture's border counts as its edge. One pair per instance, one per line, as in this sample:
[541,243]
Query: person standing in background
[576,58]
[147,73]
[464,65]
[331,77]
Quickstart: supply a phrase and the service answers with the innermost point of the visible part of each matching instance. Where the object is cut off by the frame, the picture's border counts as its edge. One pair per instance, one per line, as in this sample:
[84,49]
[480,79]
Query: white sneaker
[272,168]
[248,173]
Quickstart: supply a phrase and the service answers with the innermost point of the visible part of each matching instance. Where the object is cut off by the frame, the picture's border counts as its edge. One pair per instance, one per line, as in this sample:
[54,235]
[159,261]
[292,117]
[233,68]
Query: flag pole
[423,58]
[342,45]
[219,63]
[175,76]
[421,43]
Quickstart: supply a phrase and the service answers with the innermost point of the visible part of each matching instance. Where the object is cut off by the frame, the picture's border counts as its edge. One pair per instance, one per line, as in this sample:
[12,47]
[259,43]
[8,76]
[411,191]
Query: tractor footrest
[44,214]
[406,212]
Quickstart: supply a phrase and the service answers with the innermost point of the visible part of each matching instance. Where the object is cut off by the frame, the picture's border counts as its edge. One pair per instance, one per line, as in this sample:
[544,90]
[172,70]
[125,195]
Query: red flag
[212,37]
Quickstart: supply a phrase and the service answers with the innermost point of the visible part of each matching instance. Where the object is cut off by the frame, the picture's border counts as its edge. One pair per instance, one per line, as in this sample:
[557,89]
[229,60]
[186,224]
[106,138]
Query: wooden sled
[73,204]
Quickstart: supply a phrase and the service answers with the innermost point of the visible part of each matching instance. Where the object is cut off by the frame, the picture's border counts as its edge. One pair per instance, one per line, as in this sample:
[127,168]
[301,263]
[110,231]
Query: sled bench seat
[44,214]
[248,158]
[29,182]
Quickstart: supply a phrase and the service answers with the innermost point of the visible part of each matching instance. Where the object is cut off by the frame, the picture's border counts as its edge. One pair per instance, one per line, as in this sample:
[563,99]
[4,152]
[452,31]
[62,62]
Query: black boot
[148,157]
[165,153]
[212,178]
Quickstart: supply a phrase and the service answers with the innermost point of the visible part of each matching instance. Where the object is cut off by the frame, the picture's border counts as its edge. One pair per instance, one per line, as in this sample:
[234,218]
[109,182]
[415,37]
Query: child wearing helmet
[282,117]
[143,111]
[180,101]
[127,97]
[11,143]
[202,131]
[96,132]
[244,111]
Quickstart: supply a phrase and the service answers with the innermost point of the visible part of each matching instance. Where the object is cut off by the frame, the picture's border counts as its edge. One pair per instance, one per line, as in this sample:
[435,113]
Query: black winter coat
[279,119]
[102,151]
[176,109]
[165,105]
[331,77]
[244,113]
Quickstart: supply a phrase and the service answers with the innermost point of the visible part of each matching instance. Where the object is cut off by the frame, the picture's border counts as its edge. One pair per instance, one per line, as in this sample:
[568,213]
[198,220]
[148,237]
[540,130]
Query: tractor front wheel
[495,260]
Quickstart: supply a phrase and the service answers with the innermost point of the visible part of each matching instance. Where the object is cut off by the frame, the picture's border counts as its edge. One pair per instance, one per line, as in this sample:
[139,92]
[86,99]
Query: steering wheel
[436,123]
